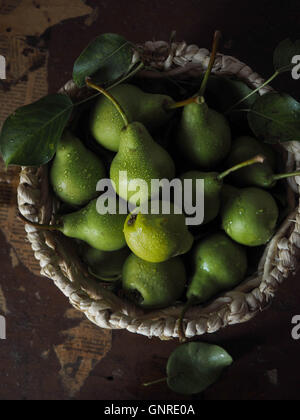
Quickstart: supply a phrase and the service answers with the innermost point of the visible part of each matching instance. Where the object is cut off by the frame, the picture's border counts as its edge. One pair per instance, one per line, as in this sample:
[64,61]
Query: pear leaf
[194,366]
[236,94]
[275,117]
[233,90]
[105,60]
[30,136]
[284,54]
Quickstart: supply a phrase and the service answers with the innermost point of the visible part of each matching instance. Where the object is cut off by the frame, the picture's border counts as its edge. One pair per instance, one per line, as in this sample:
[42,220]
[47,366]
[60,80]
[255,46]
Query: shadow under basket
[60,262]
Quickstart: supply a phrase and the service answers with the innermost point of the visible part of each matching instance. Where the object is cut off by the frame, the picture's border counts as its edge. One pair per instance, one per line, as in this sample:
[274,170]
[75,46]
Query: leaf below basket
[193,367]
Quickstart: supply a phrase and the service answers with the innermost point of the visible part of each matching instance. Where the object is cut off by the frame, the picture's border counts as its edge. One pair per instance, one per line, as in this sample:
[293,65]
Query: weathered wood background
[51,352]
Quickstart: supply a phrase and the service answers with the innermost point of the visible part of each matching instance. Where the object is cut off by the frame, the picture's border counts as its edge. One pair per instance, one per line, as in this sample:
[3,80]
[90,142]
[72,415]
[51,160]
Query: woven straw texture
[60,262]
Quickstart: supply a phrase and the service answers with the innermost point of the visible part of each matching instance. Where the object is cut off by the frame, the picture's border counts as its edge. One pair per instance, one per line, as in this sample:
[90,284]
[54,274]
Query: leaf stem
[129,75]
[111,98]
[241,110]
[217,38]
[277,73]
[286,68]
[155,382]
[256,159]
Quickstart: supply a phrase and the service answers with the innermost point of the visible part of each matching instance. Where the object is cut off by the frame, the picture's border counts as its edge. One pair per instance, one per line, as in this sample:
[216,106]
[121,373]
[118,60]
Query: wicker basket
[60,263]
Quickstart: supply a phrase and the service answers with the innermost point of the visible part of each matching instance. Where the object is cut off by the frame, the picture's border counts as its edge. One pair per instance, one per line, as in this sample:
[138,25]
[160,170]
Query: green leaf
[224,92]
[284,54]
[193,367]
[275,118]
[106,59]
[30,136]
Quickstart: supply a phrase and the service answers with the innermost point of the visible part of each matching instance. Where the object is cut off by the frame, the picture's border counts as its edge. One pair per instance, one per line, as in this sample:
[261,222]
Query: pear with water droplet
[249,216]
[204,135]
[213,184]
[151,285]
[258,175]
[149,109]
[158,237]
[101,231]
[75,172]
[139,158]
[218,264]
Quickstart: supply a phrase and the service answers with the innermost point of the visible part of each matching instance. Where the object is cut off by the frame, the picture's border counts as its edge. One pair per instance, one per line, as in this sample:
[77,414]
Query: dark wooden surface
[266,357]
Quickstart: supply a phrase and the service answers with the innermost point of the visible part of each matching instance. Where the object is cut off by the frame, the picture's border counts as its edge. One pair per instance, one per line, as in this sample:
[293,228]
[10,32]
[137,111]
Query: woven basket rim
[106,310]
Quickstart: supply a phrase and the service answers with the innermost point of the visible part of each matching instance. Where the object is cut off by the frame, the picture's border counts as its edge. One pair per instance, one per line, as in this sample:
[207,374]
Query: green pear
[204,135]
[106,123]
[212,191]
[258,175]
[249,216]
[158,237]
[139,157]
[218,264]
[151,285]
[75,172]
[107,266]
[103,232]
[213,184]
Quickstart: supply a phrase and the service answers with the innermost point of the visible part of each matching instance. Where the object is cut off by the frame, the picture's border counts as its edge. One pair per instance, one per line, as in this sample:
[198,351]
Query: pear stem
[200,98]
[277,177]
[38,225]
[111,98]
[217,38]
[158,381]
[195,100]
[256,159]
